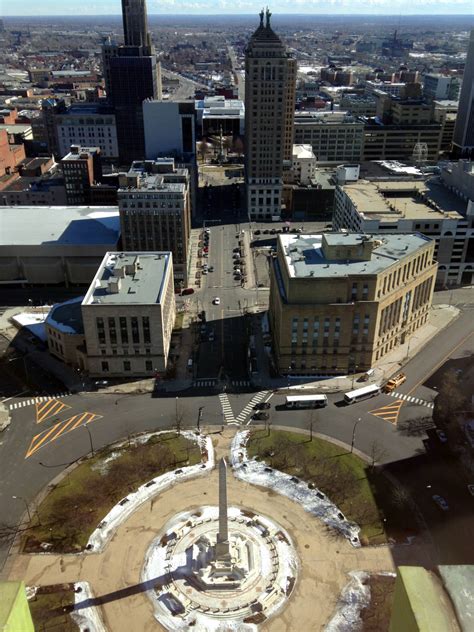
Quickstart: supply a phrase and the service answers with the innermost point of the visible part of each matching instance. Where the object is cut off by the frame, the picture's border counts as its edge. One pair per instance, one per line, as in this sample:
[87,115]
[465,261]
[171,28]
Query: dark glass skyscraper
[463,138]
[132,74]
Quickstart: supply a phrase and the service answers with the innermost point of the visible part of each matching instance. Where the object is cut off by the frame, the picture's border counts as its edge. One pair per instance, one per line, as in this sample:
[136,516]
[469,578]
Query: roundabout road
[32,453]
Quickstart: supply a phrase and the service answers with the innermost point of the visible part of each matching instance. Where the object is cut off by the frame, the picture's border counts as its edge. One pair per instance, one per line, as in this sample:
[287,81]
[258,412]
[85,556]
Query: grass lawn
[74,508]
[47,608]
[362,494]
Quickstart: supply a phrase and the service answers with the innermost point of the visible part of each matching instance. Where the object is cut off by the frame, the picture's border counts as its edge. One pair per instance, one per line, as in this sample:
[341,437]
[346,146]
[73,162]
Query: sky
[187,7]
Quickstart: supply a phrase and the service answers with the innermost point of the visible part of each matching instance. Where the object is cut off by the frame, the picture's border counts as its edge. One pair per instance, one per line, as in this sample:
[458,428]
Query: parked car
[441,502]
[260,416]
[187,290]
[217,301]
[394,382]
[257,232]
[262,406]
[204,271]
[211,268]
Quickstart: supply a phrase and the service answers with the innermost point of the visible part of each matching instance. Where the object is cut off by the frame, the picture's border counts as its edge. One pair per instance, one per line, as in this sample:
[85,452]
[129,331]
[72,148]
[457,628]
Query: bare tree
[416,427]
[204,149]
[377,453]
[239,147]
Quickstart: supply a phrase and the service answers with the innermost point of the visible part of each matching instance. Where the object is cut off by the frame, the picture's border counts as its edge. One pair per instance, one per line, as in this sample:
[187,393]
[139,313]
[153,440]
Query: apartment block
[88,124]
[334,136]
[155,210]
[406,207]
[128,315]
[340,302]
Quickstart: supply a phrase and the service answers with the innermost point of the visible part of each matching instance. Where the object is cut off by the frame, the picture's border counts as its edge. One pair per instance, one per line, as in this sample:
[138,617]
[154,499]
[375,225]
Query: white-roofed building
[55,244]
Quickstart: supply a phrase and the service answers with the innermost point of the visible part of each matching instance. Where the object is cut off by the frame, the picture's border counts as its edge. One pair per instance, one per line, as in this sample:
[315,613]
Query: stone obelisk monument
[222,544]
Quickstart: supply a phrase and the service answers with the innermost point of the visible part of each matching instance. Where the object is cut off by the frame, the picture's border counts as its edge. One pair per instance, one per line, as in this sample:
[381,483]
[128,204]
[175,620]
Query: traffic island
[69,514]
[359,492]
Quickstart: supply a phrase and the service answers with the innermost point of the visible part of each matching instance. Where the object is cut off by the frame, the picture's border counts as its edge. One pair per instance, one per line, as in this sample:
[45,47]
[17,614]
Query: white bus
[362,393]
[306,401]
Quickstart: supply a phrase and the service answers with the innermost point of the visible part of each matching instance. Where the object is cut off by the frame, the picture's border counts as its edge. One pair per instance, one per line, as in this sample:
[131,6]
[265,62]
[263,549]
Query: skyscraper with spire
[270,86]
[132,74]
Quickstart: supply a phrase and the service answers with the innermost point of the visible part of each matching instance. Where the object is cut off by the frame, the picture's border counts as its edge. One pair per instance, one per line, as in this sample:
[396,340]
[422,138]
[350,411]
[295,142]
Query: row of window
[127,366]
[128,331]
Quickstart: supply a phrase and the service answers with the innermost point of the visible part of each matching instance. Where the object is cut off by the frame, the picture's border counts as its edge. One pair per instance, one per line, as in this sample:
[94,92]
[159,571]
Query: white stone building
[304,164]
[128,315]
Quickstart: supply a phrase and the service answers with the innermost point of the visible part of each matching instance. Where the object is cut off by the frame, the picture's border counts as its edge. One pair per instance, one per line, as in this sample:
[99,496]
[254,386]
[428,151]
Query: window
[112,331]
[126,365]
[105,366]
[148,365]
[146,329]
[123,330]
[135,332]
[100,330]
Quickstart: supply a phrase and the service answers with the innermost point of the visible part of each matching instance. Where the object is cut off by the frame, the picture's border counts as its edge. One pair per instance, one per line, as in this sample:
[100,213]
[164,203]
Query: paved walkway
[114,574]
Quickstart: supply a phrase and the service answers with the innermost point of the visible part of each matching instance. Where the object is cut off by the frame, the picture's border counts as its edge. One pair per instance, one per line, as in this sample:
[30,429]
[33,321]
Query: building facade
[128,315]
[88,124]
[170,128]
[398,142]
[340,302]
[440,87]
[334,136]
[463,139]
[270,80]
[155,210]
[407,207]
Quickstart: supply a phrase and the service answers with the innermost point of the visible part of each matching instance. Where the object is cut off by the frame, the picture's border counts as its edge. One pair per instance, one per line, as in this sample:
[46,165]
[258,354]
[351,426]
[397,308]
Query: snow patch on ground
[122,510]
[86,617]
[312,500]
[355,596]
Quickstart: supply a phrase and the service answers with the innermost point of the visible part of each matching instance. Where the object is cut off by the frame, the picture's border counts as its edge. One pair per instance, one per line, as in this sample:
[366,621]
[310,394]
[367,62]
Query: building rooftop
[303,151]
[400,199]
[129,278]
[307,255]
[59,225]
[67,316]
[78,152]
[325,118]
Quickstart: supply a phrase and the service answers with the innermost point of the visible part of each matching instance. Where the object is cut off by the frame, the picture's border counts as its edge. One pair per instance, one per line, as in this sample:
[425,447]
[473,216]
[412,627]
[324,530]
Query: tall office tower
[132,74]
[135,23]
[463,138]
[270,86]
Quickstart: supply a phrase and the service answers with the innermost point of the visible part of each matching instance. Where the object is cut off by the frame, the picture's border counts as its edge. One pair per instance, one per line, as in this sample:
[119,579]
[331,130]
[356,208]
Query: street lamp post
[90,439]
[354,374]
[354,434]
[199,418]
[26,505]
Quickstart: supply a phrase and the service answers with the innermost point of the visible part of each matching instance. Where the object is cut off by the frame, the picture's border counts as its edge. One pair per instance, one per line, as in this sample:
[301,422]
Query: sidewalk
[440,317]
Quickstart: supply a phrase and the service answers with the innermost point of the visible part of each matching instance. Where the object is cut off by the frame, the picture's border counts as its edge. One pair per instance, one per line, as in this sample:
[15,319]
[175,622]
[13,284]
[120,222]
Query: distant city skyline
[246,7]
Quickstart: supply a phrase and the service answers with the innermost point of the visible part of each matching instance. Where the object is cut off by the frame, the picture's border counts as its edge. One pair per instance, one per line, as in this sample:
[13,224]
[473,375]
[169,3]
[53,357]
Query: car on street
[257,232]
[265,232]
[211,268]
[236,249]
[204,271]
[260,416]
[441,502]
[442,436]
[216,300]
[187,290]
[236,256]
[394,382]
[262,406]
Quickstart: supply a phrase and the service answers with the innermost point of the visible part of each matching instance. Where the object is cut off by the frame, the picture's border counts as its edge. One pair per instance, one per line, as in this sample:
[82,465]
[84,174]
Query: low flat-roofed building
[128,314]
[57,244]
[398,142]
[413,206]
[216,112]
[65,332]
[340,302]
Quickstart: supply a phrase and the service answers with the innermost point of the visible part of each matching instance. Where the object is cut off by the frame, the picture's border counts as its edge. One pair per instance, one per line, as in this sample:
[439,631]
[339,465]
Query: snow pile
[86,617]
[354,597]
[122,510]
[312,500]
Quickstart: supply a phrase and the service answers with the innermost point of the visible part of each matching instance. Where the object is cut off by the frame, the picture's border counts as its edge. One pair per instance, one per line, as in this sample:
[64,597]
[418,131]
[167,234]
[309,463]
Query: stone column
[222,546]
